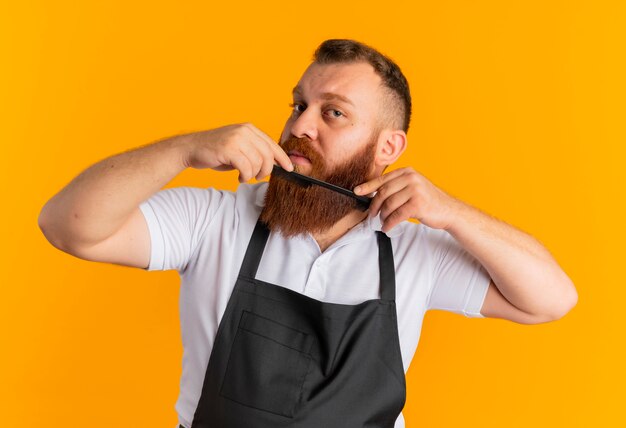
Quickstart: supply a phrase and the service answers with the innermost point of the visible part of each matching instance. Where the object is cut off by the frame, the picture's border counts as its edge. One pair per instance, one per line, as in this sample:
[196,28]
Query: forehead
[358,82]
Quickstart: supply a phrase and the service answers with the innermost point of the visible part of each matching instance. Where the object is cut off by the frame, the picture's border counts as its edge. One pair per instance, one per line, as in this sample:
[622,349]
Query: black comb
[362,202]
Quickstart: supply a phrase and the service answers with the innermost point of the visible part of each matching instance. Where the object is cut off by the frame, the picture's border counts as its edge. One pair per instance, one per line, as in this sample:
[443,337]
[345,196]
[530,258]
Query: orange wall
[518,110]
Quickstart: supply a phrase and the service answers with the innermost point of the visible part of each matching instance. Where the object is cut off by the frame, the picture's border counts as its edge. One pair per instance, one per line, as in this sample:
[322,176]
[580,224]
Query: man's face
[335,107]
[330,136]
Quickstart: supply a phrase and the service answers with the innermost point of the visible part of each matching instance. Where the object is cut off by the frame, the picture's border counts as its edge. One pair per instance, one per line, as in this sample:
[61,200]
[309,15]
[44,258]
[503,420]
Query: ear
[391,144]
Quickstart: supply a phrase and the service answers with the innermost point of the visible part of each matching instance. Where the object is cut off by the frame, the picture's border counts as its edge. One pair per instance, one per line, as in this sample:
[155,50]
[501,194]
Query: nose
[305,125]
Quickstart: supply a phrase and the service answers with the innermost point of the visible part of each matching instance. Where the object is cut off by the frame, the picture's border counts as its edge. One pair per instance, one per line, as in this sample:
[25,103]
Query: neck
[343,226]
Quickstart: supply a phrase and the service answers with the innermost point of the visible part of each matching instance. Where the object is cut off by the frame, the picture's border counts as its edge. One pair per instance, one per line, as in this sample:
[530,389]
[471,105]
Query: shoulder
[406,232]
[249,200]
[419,240]
[412,231]
[251,194]
[206,206]
[185,203]
[247,196]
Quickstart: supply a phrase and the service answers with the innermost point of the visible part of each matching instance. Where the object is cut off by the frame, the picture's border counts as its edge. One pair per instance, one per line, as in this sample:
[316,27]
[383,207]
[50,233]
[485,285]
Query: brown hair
[398,106]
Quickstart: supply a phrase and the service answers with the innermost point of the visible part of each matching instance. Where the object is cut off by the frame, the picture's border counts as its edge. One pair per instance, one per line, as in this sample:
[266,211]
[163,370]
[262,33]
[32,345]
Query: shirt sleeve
[177,219]
[459,282]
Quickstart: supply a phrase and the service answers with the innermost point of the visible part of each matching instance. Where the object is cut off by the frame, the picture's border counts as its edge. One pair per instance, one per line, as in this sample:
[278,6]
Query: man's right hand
[242,146]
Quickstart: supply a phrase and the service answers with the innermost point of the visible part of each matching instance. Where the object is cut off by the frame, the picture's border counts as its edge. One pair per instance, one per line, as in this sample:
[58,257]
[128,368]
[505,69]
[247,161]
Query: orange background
[518,110]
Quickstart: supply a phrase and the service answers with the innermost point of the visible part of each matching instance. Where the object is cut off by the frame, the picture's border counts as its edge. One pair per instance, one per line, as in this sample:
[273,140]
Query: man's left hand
[405,193]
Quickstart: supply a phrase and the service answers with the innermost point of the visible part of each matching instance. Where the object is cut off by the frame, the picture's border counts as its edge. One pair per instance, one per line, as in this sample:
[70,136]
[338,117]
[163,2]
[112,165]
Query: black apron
[283,359]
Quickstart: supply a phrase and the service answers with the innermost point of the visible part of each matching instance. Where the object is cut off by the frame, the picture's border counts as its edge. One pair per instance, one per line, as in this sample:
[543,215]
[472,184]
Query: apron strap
[255,250]
[386,267]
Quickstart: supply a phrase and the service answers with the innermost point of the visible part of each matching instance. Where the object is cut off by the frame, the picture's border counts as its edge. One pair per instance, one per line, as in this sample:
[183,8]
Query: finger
[281,156]
[262,135]
[393,203]
[278,153]
[393,186]
[241,162]
[400,214]
[256,161]
[263,158]
[266,168]
[372,185]
[395,218]
[258,153]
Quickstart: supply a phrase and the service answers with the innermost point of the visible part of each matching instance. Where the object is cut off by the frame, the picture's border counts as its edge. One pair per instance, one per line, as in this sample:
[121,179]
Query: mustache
[302,145]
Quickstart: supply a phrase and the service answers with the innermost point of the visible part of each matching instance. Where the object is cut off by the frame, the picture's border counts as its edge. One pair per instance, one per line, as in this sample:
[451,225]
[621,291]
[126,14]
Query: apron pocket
[267,365]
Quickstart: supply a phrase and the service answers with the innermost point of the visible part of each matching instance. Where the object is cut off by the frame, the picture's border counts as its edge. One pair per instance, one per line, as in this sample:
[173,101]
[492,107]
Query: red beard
[292,209]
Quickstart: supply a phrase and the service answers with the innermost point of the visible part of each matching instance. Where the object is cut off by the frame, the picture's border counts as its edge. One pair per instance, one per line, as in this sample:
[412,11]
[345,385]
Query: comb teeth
[291,177]
[362,202]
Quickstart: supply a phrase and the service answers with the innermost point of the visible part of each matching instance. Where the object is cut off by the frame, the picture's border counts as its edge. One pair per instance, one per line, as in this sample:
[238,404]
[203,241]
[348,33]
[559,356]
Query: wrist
[456,213]
[180,146]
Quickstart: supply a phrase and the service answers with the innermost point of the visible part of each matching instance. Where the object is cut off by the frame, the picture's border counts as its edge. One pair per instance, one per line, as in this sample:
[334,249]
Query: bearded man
[298,309]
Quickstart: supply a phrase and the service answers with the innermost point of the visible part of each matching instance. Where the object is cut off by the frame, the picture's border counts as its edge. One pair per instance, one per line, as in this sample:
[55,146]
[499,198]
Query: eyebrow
[326,95]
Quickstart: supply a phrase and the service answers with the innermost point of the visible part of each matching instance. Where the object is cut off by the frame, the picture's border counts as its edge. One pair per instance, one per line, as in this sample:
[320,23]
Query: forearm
[96,203]
[521,267]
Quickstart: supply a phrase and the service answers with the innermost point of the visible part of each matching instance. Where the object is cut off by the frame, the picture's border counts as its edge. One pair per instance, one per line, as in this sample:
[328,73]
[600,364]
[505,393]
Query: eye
[296,107]
[336,113]
[299,108]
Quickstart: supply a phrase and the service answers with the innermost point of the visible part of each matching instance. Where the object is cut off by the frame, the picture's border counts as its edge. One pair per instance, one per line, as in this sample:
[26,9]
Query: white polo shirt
[204,233]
